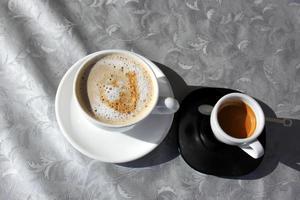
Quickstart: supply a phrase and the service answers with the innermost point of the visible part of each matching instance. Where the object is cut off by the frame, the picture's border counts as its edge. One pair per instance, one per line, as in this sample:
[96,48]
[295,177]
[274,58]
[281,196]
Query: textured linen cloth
[252,46]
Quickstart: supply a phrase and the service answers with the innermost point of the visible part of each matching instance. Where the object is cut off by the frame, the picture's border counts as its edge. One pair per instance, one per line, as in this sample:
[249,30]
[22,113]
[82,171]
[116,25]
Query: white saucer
[106,146]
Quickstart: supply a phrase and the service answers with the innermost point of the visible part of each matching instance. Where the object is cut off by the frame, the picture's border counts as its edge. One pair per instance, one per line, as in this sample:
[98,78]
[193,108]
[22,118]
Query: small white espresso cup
[162,105]
[250,145]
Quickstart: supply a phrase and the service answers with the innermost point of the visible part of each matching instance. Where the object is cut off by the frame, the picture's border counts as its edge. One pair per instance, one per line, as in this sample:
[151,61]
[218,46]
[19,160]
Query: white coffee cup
[164,105]
[250,144]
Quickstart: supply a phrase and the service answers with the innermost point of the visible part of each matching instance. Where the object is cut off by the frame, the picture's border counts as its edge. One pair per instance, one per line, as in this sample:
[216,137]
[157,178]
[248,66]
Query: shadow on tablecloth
[282,140]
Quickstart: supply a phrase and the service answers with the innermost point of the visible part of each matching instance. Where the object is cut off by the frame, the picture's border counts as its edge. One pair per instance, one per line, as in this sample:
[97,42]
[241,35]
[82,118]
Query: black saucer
[197,144]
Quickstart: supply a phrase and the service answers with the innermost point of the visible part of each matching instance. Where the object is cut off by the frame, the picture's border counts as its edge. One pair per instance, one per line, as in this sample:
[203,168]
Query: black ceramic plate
[197,144]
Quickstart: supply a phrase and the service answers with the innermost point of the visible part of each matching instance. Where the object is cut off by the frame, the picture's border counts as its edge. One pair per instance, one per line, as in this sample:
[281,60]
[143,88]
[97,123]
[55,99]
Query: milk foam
[119,89]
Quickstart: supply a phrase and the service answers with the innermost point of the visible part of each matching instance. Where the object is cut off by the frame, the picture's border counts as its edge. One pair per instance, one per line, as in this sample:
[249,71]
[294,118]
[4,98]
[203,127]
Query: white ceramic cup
[163,105]
[250,145]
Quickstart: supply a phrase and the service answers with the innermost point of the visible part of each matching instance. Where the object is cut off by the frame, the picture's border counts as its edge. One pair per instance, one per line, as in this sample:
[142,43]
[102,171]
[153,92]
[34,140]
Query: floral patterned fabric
[249,45]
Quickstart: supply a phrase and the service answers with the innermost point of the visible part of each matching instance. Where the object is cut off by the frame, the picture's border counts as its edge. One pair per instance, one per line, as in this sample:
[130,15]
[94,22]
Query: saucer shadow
[281,141]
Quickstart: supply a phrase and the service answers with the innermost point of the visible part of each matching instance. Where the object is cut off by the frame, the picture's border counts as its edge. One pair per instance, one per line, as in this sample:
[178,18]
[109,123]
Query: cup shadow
[168,149]
[282,136]
[282,146]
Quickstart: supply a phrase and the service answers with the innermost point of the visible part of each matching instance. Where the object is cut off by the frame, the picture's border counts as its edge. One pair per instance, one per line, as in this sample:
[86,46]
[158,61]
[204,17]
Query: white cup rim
[259,114]
[96,57]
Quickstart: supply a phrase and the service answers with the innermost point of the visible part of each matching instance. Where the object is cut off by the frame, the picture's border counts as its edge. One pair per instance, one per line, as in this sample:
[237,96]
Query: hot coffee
[237,119]
[118,89]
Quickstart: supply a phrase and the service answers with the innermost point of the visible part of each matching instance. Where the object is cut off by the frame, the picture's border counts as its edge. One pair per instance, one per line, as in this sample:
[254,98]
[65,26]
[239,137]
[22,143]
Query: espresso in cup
[117,89]
[237,119]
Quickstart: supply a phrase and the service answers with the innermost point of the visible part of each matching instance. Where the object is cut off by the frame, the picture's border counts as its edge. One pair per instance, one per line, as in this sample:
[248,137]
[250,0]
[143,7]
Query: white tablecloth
[252,46]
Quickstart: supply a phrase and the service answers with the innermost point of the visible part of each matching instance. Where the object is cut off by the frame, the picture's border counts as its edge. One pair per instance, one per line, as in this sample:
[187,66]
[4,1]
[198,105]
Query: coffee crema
[117,89]
[237,119]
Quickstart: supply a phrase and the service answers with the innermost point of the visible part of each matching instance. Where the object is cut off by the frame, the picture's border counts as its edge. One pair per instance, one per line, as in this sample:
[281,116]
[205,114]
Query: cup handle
[254,149]
[166,105]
